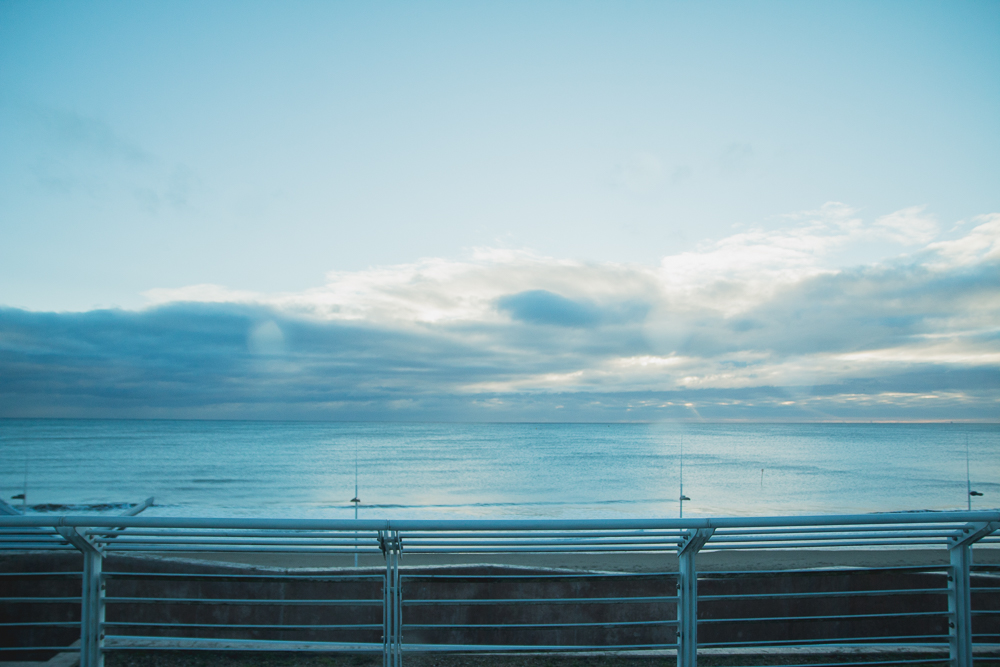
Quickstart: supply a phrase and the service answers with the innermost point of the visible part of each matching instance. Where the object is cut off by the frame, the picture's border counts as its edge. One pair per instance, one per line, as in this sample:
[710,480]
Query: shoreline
[757,560]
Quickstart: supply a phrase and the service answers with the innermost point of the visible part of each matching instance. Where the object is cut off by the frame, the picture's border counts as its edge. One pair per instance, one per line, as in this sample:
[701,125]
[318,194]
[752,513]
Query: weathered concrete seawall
[848,616]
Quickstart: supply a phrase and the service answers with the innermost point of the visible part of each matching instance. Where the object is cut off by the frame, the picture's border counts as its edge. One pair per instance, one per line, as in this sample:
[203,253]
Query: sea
[494,471]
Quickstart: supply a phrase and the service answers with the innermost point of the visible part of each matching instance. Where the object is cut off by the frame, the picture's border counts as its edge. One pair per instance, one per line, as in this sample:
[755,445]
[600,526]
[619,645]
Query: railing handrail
[99,535]
[500,525]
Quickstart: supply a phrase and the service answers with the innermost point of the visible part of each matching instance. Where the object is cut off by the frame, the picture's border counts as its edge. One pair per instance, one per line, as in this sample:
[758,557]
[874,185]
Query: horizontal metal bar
[668,648]
[121,643]
[728,574]
[345,544]
[452,525]
[538,550]
[840,535]
[410,543]
[26,600]
[132,534]
[246,601]
[554,575]
[871,663]
[232,626]
[41,623]
[25,649]
[787,530]
[443,626]
[789,545]
[181,545]
[236,549]
[187,644]
[42,537]
[46,546]
[543,601]
[29,538]
[840,641]
[545,534]
[825,594]
[532,648]
[75,575]
[369,536]
[257,577]
[303,534]
[838,617]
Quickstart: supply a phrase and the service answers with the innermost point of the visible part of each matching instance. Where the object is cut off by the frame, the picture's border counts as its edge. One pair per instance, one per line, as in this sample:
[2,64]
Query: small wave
[540,503]
[84,507]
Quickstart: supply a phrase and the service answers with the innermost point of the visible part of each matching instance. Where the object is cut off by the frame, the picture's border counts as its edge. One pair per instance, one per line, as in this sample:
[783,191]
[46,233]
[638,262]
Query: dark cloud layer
[544,307]
[201,361]
[749,329]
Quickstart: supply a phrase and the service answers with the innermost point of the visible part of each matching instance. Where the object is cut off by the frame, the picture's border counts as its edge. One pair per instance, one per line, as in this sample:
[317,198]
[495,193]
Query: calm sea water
[285,469]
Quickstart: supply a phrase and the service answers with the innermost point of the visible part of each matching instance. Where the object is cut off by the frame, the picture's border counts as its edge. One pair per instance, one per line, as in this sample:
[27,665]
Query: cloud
[908,226]
[544,307]
[762,324]
[982,244]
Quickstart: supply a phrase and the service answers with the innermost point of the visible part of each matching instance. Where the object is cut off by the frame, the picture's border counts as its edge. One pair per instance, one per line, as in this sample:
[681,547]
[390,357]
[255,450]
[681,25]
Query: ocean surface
[296,469]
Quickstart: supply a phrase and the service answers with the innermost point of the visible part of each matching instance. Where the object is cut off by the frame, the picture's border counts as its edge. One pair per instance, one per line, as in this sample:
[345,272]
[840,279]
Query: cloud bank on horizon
[763,324]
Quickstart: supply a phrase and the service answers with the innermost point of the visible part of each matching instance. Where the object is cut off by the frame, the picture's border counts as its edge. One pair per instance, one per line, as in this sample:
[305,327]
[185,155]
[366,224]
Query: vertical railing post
[93,610]
[392,600]
[960,607]
[687,611]
[687,596]
[960,592]
[92,598]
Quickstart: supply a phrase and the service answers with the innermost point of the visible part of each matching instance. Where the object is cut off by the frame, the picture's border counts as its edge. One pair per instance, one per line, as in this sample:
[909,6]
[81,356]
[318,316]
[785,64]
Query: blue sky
[544,211]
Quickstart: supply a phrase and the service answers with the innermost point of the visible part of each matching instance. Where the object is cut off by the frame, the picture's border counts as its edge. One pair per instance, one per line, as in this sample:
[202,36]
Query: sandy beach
[707,561]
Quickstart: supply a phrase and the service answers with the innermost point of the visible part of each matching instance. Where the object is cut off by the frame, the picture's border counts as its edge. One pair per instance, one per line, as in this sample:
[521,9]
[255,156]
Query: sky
[544,211]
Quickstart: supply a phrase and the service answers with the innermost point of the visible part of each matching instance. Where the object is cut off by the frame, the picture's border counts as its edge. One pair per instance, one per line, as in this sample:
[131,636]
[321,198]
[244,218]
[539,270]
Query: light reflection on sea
[451,471]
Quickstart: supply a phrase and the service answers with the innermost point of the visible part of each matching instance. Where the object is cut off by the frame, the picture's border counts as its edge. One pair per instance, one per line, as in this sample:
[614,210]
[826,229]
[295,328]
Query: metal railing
[506,609]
